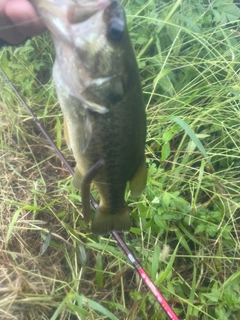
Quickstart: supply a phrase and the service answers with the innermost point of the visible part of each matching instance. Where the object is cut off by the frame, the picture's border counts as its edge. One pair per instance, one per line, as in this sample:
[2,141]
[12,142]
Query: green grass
[185,227]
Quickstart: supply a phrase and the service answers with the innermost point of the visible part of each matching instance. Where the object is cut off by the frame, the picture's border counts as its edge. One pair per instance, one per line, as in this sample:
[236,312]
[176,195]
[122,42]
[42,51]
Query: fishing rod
[142,273]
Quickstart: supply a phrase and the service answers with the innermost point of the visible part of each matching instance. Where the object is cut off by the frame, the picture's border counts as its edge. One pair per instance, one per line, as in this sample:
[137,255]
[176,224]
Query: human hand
[18,21]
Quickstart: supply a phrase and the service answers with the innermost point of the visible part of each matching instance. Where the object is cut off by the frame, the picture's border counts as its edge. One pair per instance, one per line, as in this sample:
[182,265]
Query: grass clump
[185,228]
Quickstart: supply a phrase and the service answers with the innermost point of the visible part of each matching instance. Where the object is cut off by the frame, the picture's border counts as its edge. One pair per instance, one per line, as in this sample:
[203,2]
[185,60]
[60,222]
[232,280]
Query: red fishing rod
[142,273]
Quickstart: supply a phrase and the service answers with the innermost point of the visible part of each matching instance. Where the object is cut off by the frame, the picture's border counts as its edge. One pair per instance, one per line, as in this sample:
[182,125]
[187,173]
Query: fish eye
[115,30]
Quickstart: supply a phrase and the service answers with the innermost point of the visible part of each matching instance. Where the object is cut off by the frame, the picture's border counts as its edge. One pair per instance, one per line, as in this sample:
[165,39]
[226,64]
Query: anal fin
[66,134]
[77,179]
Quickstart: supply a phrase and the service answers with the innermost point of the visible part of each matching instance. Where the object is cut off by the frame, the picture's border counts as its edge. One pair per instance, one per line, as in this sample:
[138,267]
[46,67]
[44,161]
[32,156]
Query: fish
[99,91]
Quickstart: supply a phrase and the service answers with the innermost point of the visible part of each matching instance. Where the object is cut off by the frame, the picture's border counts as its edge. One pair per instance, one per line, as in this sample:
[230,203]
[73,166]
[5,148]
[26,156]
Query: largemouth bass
[99,91]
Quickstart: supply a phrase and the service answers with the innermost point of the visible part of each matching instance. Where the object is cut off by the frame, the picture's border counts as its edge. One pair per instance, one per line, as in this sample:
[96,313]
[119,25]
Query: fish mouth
[76,11]
[65,17]
[83,10]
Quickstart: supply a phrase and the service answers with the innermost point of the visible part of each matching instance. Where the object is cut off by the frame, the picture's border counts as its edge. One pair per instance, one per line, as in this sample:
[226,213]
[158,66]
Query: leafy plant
[184,228]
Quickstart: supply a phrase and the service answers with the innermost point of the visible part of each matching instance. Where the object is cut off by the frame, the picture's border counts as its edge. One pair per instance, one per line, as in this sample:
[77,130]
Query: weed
[184,228]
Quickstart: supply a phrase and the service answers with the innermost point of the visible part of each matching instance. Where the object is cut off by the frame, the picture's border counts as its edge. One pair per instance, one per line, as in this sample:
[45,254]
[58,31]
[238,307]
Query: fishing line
[142,273]
[19,24]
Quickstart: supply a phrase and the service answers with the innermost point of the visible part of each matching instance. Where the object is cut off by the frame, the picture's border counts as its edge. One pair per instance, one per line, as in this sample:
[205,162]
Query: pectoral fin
[138,182]
[85,188]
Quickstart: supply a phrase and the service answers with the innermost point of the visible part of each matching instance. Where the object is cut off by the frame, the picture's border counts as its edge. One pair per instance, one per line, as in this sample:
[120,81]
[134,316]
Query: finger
[23,15]
[9,32]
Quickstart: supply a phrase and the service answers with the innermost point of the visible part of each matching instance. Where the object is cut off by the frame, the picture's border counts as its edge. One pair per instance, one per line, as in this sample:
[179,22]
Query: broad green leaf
[193,136]
[165,151]
[83,301]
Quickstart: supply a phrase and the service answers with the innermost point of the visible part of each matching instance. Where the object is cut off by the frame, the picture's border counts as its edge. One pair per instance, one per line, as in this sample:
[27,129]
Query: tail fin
[104,222]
